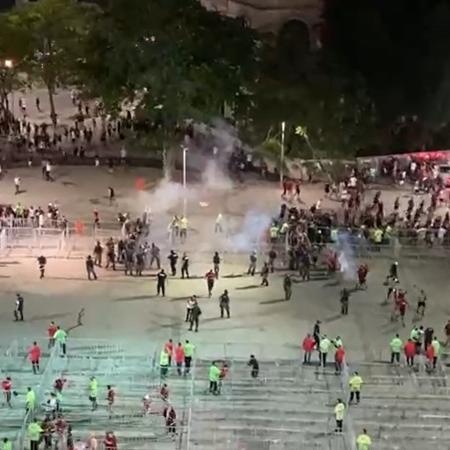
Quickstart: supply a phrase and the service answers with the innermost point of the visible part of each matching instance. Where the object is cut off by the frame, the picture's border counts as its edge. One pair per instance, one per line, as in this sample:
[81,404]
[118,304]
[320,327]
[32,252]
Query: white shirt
[17,181]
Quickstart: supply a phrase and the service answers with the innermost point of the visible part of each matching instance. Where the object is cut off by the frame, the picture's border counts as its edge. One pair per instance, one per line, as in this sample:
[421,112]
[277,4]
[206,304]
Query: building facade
[272,16]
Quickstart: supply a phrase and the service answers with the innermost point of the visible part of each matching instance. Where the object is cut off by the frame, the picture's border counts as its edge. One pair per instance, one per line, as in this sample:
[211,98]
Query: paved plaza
[126,311]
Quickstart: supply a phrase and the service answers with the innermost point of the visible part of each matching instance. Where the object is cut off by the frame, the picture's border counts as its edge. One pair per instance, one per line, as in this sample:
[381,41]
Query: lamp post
[185,149]
[283,129]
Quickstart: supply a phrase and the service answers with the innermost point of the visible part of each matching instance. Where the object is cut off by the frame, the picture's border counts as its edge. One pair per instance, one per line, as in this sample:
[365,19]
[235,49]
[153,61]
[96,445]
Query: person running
[210,279]
[42,261]
[265,275]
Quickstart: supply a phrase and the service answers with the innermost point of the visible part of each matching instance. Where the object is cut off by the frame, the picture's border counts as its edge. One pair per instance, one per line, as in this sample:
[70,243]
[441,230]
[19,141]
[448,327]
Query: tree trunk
[53,115]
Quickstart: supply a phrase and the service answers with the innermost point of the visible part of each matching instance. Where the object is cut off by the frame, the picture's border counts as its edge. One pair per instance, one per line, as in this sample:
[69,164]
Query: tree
[172,59]
[46,41]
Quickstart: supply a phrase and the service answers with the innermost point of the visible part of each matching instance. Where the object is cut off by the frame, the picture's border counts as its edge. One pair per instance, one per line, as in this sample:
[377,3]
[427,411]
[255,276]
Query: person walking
[30,400]
[110,398]
[436,350]
[185,266]
[7,389]
[179,357]
[214,377]
[173,258]
[195,316]
[93,392]
[42,261]
[210,279]
[191,301]
[60,337]
[154,256]
[339,357]
[265,275]
[287,287]
[308,346]
[396,345]
[90,268]
[216,264]
[34,431]
[35,355]
[363,441]
[188,355]
[17,185]
[98,252]
[254,364]
[345,296]
[252,264]
[18,310]
[164,363]
[339,412]
[161,283]
[316,334]
[324,346]
[355,384]
[410,352]
[224,303]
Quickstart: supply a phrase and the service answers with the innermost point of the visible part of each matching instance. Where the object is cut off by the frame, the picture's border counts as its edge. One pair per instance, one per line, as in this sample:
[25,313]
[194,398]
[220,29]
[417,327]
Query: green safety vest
[163,358]
[189,350]
[93,388]
[436,347]
[274,232]
[34,431]
[324,345]
[396,345]
[214,373]
[7,445]
[30,399]
[60,336]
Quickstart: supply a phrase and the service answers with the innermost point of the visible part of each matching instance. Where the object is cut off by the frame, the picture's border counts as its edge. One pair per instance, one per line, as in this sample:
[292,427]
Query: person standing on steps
[339,412]
[188,355]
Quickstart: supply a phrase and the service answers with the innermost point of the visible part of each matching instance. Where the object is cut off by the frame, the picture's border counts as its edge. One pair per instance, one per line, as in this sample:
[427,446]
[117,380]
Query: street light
[185,149]
[283,129]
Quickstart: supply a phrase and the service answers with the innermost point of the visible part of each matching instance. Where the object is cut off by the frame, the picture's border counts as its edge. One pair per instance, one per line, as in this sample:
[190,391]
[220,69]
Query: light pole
[283,129]
[185,149]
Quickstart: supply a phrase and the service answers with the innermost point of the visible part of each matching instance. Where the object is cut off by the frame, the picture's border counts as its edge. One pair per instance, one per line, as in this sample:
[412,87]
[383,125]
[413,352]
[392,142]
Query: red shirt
[430,353]
[339,355]
[308,344]
[6,385]
[210,276]
[410,349]
[51,330]
[179,354]
[111,395]
[168,346]
[34,353]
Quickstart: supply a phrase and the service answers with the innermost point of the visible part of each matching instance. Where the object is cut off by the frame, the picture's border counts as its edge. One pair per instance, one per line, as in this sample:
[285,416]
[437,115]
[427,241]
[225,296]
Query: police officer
[265,275]
[42,261]
[272,258]
[154,256]
[216,264]
[252,265]
[110,254]
[140,261]
[287,286]
[224,303]
[173,258]
[90,268]
[18,311]
[185,266]
[345,295]
[98,252]
[161,283]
